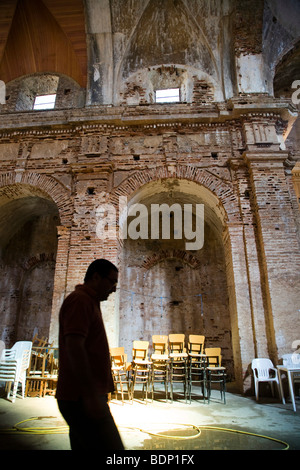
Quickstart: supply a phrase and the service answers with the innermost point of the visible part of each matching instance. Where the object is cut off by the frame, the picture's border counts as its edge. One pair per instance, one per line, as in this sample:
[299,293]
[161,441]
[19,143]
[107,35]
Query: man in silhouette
[85,378]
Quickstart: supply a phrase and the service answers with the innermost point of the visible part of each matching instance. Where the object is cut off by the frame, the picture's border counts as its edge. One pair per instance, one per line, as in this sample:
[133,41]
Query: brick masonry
[247,272]
[231,144]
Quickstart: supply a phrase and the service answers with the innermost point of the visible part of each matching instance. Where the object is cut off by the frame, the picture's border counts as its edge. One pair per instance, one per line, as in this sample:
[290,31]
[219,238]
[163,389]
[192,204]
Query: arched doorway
[28,242]
[166,288]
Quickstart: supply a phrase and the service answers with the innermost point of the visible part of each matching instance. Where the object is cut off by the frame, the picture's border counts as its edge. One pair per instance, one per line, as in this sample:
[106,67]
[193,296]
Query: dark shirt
[80,314]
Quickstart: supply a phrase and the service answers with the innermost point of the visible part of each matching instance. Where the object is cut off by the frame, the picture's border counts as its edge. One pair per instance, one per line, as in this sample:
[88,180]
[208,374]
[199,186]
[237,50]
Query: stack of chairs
[141,367]
[197,364]
[160,363]
[43,369]
[14,363]
[216,373]
[178,363]
[120,371]
[195,367]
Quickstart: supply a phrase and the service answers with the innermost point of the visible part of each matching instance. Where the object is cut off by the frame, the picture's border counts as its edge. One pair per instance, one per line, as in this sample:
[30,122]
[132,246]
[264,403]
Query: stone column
[60,280]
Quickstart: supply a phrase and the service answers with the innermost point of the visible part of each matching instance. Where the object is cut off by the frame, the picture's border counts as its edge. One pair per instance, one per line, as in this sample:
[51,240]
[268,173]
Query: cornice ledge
[265,158]
[89,117]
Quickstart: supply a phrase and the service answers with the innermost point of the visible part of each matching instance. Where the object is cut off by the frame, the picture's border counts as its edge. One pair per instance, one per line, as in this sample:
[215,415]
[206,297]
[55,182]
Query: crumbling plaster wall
[128,44]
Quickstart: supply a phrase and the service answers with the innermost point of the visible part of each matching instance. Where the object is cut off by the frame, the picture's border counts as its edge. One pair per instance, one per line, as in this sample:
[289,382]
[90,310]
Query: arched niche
[28,242]
[22,91]
[165,288]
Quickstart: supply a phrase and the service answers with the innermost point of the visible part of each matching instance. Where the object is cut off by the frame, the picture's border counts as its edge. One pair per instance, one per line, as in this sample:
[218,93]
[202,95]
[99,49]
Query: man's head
[102,277]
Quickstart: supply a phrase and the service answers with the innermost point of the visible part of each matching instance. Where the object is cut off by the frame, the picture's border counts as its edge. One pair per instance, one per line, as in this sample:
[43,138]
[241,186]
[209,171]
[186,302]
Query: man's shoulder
[78,295]
[80,291]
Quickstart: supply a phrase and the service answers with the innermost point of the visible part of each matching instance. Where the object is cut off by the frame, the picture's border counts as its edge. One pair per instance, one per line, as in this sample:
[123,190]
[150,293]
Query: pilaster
[60,280]
[243,340]
[278,247]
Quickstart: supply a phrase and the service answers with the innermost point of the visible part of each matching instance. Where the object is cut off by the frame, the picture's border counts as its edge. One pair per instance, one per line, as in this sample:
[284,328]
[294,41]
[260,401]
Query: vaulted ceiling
[38,36]
[42,35]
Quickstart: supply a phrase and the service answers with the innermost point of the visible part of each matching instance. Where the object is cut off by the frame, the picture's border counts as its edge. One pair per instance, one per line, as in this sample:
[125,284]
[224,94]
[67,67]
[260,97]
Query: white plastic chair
[16,351]
[2,346]
[13,366]
[8,374]
[264,371]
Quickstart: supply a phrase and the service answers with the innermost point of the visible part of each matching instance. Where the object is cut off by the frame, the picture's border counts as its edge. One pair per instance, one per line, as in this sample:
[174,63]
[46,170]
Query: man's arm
[81,370]
[78,360]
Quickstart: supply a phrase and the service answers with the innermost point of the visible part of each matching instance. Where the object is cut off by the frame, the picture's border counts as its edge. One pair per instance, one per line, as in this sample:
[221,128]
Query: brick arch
[220,188]
[181,255]
[47,185]
[33,261]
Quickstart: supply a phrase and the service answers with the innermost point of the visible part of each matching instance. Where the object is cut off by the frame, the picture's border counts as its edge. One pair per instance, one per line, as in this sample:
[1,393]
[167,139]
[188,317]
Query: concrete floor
[269,418]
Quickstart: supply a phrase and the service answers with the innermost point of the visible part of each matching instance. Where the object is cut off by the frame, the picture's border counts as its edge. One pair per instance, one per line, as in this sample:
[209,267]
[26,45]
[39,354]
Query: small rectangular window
[44,102]
[169,95]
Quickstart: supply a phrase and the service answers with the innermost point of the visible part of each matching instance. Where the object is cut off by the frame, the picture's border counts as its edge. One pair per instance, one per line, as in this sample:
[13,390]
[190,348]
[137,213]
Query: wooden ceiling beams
[42,36]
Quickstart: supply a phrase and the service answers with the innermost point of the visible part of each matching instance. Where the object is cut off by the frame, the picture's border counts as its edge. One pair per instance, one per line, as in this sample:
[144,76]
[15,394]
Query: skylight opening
[44,102]
[169,95]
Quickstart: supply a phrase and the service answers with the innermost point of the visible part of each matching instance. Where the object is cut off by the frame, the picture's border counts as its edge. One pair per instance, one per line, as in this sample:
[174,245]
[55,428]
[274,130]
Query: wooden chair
[177,345]
[43,369]
[215,372]
[120,371]
[214,356]
[159,345]
[196,344]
